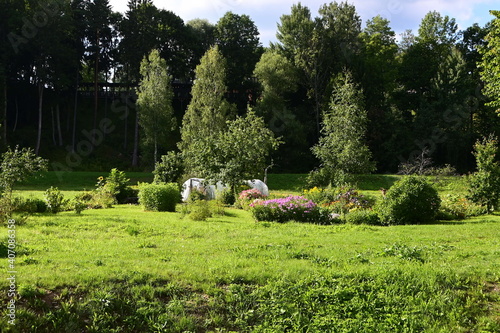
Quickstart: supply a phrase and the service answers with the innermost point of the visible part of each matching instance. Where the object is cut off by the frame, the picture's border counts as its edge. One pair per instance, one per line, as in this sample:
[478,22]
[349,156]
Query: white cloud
[403,14]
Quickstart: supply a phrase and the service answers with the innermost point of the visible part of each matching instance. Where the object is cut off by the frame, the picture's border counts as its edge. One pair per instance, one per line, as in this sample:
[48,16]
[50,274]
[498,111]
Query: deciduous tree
[208,110]
[320,47]
[154,100]
[484,184]
[490,63]
[241,152]
[238,39]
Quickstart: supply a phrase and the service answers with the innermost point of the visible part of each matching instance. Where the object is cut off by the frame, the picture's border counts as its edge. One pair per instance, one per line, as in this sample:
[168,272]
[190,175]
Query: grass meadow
[126,270]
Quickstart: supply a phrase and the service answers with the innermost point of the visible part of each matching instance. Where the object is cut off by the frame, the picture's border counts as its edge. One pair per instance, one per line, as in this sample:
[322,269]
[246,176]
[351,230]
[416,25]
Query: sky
[403,14]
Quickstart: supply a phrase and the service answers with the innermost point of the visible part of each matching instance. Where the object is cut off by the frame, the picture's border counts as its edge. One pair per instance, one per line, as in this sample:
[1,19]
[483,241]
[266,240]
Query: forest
[70,72]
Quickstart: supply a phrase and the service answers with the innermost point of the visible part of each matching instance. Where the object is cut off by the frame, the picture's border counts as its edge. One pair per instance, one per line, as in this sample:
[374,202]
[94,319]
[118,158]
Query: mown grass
[75,181]
[126,270]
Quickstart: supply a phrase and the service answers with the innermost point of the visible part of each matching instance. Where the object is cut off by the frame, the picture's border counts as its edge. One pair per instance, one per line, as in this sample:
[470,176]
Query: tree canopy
[70,70]
[154,100]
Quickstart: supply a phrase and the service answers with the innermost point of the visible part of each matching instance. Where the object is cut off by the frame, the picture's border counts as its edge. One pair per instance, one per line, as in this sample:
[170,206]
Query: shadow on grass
[75,180]
[286,182]
[490,218]
[375,182]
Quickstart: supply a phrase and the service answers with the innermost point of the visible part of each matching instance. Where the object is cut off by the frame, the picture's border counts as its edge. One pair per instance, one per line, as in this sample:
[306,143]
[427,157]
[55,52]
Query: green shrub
[170,169]
[321,195]
[339,200]
[458,207]
[411,200]
[201,210]
[226,196]
[319,178]
[117,184]
[98,198]
[159,197]
[55,200]
[78,206]
[196,195]
[29,205]
[362,216]
[18,165]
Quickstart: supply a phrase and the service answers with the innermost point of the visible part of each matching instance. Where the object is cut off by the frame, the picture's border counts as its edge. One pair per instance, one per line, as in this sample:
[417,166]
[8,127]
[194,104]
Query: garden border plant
[159,197]
[291,208]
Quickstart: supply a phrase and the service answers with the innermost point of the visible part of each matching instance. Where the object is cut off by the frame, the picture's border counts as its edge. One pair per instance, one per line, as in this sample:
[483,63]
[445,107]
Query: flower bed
[251,194]
[292,208]
[247,197]
[340,200]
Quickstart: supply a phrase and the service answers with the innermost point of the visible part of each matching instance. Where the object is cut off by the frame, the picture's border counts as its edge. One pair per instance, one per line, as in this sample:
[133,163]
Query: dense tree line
[70,71]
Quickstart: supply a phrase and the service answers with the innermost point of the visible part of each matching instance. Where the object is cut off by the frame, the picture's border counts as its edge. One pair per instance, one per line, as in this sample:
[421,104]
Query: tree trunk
[106,96]
[40,107]
[96,86]
[17,115]
[53,126]
[125,134]
[58,124]
[135,154]
[4,109]
[155,152]
[73,141]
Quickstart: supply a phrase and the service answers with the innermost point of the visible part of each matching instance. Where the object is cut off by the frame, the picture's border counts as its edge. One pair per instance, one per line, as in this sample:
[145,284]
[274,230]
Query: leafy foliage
[237,37]
[159,197]
[484,185]
[278,78]
[117,184]
[55,200]
[154,100]
[490,62]
[342,149]
[18,165]
[207,112]
[226,196]
[170,169]
[201,210]
[362,216]
[319,47]
[411,200]
[242,151]
[454,206]
[101,197]
[29,205]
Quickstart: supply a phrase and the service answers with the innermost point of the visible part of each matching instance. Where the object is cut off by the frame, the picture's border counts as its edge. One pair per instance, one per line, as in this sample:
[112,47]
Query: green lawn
[126,270]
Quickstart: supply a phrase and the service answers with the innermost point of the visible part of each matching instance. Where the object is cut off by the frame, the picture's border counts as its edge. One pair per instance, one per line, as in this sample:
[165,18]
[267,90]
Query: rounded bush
[411,200]
[159,197]
[170,169]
